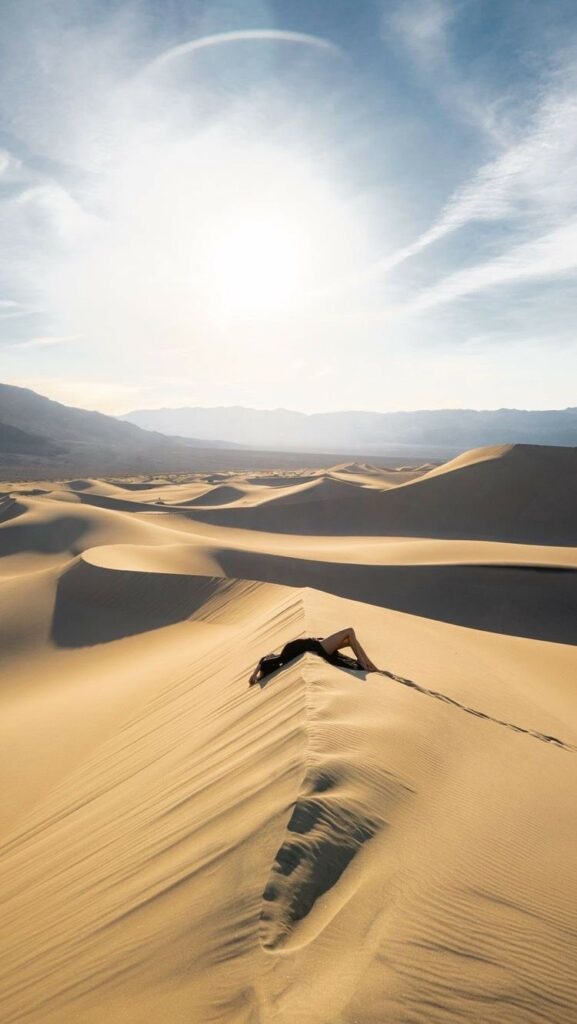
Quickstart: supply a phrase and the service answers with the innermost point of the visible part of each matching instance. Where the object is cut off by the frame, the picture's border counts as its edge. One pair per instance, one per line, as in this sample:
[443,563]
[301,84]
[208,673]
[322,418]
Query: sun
[258,262]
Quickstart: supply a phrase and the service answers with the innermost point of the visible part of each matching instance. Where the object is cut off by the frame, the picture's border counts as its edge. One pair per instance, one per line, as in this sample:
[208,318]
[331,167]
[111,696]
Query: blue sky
[314,205]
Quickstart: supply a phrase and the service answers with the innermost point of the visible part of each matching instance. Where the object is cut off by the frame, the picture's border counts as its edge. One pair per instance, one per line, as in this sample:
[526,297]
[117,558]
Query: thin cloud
[11,168]
[45,341]
[534,178]
[107,396]
[551,255]
[13,314]
[424,28]
[129,175]
[529,187]
[247,35]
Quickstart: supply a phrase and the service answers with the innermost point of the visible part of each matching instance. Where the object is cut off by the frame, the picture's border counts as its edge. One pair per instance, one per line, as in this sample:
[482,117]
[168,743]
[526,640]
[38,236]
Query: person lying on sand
[327,647]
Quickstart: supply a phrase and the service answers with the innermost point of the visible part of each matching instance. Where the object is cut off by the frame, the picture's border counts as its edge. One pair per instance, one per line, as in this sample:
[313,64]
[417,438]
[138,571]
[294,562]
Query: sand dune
[219,495]
[333,847]
[376,477]
[514,493]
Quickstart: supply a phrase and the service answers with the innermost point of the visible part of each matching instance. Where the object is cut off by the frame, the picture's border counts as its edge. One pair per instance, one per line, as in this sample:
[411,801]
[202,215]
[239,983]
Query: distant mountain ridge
[41,439]
[22,442]
[368,432]
[44,435]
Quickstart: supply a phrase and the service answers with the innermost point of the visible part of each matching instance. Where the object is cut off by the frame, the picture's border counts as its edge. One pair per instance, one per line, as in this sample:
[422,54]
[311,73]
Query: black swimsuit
[271,662]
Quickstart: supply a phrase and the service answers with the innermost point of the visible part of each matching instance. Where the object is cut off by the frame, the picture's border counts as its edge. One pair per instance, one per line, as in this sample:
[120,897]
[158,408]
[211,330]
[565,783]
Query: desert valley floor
[333,847]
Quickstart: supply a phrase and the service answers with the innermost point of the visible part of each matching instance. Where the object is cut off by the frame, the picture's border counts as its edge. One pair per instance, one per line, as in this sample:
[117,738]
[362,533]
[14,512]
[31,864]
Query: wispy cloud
[11,168]
[528,188]
[11,311]
[128,165]
[44,341]
[246,35]
[551,255]
[107,396]
[423,27]
[425,30]
[534,179]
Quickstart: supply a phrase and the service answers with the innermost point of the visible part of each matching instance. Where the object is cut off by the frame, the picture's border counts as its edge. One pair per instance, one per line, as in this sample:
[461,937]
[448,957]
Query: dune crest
[330,846]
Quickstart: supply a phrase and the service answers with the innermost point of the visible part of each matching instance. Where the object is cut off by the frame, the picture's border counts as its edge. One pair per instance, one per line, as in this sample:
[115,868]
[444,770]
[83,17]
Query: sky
[313,205]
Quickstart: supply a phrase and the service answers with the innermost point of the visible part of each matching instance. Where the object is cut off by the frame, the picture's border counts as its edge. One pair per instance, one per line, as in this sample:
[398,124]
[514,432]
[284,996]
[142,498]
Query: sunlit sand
[331,846]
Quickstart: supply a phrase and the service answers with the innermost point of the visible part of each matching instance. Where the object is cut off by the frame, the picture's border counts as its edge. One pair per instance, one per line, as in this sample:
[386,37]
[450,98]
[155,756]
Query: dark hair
[270,663]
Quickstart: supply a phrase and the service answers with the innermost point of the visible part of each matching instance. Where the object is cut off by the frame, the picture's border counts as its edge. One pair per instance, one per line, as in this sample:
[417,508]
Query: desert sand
[333,847]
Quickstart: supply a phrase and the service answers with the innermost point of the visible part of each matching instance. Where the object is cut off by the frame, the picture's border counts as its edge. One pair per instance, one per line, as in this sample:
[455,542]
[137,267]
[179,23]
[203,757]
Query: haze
[308,205]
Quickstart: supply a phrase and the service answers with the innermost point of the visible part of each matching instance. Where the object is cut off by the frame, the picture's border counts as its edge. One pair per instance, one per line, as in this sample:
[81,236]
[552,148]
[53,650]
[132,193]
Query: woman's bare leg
[348,638]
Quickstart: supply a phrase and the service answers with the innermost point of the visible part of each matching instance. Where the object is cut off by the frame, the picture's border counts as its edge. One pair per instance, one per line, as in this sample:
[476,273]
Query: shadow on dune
[223,495]
[327,829]
[117,504]
[80,485]
[95,605]
[538,603]
[528,496]
[128,485]
[49,538]
[322,840]
[280,481]
[10,509]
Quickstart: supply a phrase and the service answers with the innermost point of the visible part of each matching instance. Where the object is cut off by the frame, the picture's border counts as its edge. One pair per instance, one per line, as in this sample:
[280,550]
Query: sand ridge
[332,846]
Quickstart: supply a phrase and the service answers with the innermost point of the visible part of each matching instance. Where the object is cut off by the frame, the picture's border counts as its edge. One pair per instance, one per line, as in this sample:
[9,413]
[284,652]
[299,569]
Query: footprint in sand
[324,834]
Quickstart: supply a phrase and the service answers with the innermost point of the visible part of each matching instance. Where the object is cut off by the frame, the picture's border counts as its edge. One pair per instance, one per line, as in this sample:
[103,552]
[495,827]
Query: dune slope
[331,847]
[521,493]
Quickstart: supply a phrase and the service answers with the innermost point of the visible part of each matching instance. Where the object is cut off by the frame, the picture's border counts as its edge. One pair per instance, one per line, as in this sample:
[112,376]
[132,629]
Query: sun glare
[210,239]
[258,262]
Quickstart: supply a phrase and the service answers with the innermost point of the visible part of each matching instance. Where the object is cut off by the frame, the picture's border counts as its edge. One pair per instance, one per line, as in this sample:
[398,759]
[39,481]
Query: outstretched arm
[255,676]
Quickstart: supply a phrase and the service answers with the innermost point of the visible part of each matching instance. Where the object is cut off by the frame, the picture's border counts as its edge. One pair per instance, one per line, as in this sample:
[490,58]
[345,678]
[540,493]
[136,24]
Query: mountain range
[443,432]
[39,436]
[41,440]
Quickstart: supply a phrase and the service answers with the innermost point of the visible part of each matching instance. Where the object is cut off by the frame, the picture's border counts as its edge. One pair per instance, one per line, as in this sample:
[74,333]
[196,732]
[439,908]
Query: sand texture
[333,847]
